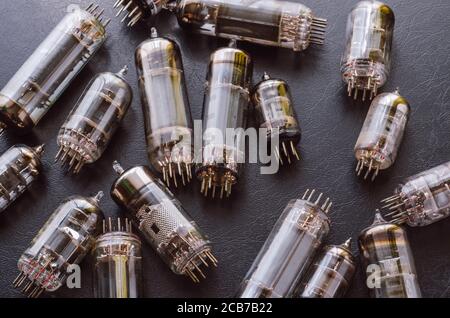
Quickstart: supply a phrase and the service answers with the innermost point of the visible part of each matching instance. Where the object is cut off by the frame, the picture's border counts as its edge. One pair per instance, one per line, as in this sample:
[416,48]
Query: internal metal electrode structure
[422,199]
[91,124]
[386,256]
[36,86]
[168,129]
[267,22]
[275,112]
[163,222]
[118,261]
[225,109]
[366,61]
[20,166]
[382,133]
[64,240]
[289,249]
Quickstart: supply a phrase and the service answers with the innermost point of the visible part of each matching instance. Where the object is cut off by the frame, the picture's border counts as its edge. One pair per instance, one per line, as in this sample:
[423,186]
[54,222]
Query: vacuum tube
[93,121]
[268,22]
[163,222]
[118,261]
[366,61]
[421,199]
[275,112]
[331,274]
[63,241]
[388,261]
[165,104]
[46,74]
[225,108]
[382,133]
[20,165]
[289,249]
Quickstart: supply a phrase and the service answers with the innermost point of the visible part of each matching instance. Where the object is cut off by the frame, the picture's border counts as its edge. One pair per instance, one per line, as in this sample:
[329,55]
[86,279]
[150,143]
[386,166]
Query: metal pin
[318,199]
[306,193]
[294,151]
[311,194]
[325,203]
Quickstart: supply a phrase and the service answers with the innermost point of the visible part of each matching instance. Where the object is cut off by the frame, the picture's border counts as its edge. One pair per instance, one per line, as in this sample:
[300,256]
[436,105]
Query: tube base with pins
[275,112]
[382,134]
[118,267]
[132,11]
[65,239]
[93,121]
[422,199]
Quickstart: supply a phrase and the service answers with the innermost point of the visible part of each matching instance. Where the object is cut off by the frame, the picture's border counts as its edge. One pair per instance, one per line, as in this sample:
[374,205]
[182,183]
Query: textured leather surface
[239,226]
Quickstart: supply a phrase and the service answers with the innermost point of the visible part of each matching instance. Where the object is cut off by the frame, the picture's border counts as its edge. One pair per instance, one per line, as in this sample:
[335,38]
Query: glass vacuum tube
[388,261]
[163,222]
[366,61]
[275,112]
[289,249]
[165,104]
[421,199]
[268,22]
[63,241]
[20,165]
[331,274]
[118,261]
[54,64]
[382,133]
[225,109]
[93,121]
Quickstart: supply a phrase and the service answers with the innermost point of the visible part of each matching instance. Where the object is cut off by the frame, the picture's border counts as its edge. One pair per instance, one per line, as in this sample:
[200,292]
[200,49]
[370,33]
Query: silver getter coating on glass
[118,261]
[422,199]
[64,240]
[289,249]
[165,104]
[93,121]
[268,22]
[366,61]
[331,274]
[225,110]
[162,221]
[51,68]
[388,261]
[382,133]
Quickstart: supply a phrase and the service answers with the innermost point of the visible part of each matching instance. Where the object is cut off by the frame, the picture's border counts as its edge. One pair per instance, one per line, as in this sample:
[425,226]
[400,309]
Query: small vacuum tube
[381,134]
[225,108]
[51,68]
[331,274]
[93,121]
[284,24]
[366,61]
[162,221]
[275,112]
[165,104]
[20,165]
[388,261]
[63,241]
[289,249]
[118,261]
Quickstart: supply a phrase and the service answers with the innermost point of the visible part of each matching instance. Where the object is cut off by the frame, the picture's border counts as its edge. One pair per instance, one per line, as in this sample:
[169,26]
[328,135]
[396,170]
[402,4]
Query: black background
[239,226]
